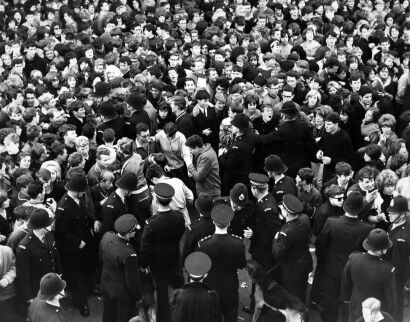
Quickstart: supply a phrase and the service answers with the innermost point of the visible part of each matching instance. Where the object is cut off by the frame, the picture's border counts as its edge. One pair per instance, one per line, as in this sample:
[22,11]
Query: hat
[292,204]
[273,163]
[333,117]
[241,121]
[289,109]
[164,191]
[107,109]
[126,223]
[399,205]
[136,100]
[353,203]
[51,284]
[197,264]
[239,194]
[128,181]
[222,214]
[39,218]
[258,179]
[377,240]
[204,204]
[78,183]
[102,89]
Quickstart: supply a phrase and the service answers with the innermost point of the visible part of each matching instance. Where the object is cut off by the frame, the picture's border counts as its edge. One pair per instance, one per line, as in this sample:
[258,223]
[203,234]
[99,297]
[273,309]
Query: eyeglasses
[339,198]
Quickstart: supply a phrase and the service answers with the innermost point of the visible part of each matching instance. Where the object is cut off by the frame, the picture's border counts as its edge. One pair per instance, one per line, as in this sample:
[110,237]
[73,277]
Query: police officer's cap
[197,264]
[292,204]
[164,191]
[126,223]
[222,214]
[258,179]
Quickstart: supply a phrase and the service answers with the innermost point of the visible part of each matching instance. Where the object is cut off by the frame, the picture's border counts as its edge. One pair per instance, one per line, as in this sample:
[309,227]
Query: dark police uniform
[196,301]
[237,161]
[120,278]
[282,187]
[227,253]
[34,259]
[73,225]
[160,250]
[199,229]
[112,209]
[367,276]
[291,249]
[398,256]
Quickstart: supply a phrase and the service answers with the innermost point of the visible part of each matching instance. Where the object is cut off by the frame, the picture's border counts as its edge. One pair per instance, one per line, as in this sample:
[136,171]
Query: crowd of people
[138,138]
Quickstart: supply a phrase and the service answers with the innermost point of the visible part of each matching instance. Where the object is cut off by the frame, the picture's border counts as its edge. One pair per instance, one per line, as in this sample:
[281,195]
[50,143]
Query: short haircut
[307,175]
[194,141]
[343,168]
[34,189]
[367,172]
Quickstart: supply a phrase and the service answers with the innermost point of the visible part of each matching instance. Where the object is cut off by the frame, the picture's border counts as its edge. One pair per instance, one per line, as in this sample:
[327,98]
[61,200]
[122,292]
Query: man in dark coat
[120,278]
[184,121]
[227,253]
[243,209]
[266,224]
[111,120]
[136,102]
[337,240]
[292,137]
[36,256]
[196,301]
[160,247]
[204,118]
[236,162]
[291,247]
[368,275]
[398,254]
[202,227]
[116,204]
[75,241]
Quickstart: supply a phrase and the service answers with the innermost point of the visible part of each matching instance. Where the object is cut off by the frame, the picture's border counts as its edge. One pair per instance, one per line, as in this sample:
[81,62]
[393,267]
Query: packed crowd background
[138,138]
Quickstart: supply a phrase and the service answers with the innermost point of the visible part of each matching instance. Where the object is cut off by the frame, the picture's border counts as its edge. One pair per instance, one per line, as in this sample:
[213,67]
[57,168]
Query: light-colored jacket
[7,272]
[175,150]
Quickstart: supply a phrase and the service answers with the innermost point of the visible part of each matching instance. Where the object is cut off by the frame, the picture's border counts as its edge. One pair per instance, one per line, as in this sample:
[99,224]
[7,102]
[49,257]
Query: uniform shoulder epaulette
[236,236]
[147,222]
[268,209]
[401,240]
[392,270]
[203,239]
[22,246]
[283,233]
[133,255]
[61,208]
[110,206]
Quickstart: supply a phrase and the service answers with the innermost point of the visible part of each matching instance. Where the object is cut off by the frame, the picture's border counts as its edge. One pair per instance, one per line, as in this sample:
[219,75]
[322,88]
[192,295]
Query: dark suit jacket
[209,121]
[185,124]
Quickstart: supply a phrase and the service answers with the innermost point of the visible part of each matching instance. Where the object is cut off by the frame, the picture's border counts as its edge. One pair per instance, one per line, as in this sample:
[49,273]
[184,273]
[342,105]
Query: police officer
[196,301]
[116,204]
[236,163]
[75,241]
[368,275]
[160,247]
[35,256]
[120,276]
[291,247]
[46,306]
[282,184]
[202,227]
[267,224]
[243,208]
[398,254]
[227,253]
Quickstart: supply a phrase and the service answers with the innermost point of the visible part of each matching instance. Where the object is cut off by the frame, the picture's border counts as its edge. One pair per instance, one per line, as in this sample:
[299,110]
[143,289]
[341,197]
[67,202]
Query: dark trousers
[80,285]
[8,311]
[331,294]
[120,309]
[230,314]
[316,294]
[400,282]
[296,283]
[163,278]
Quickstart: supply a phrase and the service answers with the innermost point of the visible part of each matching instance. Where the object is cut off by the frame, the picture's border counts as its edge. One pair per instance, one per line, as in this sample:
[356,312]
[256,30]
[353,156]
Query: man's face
[331,127]
[228,71]
[155,92]
[31,52]
[367,99]
[261,23]
[356,84]
[143,137]
[291,81]
[190,87]
[182,24]
[105,160]
[71,136]
[18,68]
[287,96]
[367,184]
[267,114]
[174,61]
[331,41]
[337,200]
[344,178]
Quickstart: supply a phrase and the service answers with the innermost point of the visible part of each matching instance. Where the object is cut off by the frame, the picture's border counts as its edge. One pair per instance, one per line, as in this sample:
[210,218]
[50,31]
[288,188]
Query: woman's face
[231,114]
[312,100]
[89,54]
[389,189]
[389,62]
[6,203]
[6,60]
[332,90]
[372,75]
[403,151]
[386,130]
[25,162]
[394,32]
[343,117]
[368,116]
[163,114]
[53,173]
[252,107]
[353,64]
[389,21]
[319,120]
[71,82]
[309,35]
[106,184]
[349,41]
